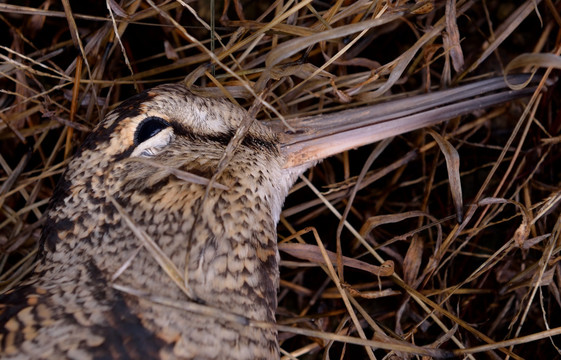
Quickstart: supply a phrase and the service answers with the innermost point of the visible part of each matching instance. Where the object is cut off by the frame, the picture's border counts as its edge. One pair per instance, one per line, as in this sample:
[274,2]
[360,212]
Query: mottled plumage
[70,306]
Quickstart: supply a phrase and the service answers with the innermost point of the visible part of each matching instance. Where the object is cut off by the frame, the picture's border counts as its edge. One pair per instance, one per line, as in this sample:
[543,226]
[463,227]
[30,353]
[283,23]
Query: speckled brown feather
[70,306]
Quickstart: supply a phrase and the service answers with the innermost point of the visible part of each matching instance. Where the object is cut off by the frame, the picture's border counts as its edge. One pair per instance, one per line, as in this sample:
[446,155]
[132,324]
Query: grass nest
[482,284]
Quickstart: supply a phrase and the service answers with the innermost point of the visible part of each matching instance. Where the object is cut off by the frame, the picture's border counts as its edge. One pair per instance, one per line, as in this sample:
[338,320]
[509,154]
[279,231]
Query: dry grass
[487,285]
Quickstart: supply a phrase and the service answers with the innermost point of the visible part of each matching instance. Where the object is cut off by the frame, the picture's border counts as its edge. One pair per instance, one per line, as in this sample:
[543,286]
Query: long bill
[321,136]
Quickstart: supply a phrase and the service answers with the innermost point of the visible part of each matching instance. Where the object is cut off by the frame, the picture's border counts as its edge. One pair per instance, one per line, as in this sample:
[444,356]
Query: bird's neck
[227,240]
[236,266]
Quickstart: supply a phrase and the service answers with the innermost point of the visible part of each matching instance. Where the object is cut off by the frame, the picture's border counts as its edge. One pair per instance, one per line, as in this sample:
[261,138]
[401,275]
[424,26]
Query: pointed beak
[321,136]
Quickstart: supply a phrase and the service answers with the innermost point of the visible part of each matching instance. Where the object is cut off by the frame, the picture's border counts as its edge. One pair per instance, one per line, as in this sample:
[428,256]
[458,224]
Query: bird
[72,306]
[154,246]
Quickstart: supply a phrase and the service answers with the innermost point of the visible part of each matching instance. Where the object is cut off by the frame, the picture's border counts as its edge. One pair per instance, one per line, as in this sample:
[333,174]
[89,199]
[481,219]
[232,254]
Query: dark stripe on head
[128,109]
[250,141]
[131,107]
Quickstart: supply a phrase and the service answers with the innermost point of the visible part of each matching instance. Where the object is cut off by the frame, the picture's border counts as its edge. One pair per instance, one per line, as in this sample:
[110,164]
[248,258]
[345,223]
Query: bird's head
[166,128]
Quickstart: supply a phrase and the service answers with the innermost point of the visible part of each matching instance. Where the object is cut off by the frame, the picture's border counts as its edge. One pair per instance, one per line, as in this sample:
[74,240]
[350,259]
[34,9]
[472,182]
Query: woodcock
[140,260]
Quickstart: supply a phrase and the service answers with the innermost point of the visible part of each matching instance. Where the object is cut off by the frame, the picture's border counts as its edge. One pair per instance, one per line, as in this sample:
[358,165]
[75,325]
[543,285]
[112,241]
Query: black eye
[148,128]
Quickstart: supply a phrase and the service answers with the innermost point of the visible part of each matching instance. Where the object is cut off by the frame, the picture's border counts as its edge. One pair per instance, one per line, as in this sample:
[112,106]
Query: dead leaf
[412,261]
[452,41]
[453,166]
[312,253]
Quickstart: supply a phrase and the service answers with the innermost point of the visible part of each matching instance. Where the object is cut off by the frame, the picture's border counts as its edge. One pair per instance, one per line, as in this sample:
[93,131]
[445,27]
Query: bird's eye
[148,128]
